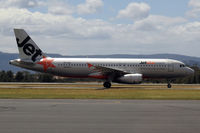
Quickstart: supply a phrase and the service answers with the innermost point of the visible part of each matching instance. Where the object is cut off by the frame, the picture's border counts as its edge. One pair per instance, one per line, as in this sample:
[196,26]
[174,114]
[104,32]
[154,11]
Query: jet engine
[130,79]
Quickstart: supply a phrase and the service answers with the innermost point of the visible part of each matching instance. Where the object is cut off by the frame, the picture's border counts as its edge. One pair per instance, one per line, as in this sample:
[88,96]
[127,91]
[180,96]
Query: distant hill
[189,60]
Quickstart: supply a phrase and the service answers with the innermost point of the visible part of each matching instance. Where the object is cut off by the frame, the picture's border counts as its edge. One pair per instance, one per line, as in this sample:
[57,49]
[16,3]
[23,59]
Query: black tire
[107,84]
[169,86]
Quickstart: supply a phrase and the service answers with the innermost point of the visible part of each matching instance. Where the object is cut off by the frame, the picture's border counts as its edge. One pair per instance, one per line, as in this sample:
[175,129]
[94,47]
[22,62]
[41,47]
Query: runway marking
[84,102]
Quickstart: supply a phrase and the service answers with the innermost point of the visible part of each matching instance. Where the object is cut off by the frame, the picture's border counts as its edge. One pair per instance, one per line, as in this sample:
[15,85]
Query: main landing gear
[107,84]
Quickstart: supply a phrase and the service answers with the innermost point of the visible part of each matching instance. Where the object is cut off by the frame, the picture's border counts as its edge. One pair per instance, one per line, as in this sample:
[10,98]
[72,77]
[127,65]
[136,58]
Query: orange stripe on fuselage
[150,62]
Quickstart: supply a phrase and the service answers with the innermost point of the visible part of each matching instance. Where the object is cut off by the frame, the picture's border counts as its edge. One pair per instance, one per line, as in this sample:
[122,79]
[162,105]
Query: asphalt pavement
[99,116]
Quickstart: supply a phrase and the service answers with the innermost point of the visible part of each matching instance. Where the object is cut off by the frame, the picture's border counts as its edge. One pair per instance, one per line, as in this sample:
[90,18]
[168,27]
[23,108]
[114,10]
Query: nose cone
[190,71]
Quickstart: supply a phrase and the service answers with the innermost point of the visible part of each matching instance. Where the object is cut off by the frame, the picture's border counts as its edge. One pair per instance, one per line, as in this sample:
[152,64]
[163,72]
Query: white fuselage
[80,67]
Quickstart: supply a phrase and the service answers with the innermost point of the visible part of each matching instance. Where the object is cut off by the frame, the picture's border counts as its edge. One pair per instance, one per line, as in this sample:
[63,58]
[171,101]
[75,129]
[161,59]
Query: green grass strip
[60,93]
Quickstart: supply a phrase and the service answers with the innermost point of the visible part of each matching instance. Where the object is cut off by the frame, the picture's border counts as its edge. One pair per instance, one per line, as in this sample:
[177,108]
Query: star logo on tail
[46,63]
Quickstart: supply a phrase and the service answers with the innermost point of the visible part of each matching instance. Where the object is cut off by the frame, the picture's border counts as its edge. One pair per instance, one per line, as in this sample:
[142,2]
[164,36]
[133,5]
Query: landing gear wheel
[107,84]
[169,85]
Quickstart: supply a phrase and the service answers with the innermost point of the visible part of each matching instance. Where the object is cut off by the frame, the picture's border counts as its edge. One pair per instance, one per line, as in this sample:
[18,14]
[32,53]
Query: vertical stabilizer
[28,50]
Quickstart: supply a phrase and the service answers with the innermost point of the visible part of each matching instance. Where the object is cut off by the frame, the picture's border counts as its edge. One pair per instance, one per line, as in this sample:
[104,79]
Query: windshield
[182,65]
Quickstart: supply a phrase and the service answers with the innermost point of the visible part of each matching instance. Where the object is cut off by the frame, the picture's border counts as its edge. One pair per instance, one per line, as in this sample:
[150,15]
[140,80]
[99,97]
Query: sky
[88,27]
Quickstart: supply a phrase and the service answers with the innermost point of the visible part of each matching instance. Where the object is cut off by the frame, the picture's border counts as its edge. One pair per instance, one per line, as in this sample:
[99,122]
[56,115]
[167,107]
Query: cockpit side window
[182,65]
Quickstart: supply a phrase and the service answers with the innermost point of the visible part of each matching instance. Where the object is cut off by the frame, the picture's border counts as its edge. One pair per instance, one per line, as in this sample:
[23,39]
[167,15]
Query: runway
[99,116]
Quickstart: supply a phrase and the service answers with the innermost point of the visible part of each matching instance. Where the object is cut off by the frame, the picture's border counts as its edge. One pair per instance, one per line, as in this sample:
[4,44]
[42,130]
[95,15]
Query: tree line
[25,76]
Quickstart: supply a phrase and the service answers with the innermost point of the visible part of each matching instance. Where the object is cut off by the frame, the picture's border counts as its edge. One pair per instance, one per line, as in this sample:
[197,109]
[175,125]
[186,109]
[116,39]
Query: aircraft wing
[106,71]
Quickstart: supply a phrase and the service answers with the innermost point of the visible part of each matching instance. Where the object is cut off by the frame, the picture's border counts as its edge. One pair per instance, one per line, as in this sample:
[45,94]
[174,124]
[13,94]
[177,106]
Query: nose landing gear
[169,84]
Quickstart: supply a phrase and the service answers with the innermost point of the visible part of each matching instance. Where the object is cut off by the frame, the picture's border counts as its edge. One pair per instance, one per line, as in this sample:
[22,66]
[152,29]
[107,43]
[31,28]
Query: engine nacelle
[130,79]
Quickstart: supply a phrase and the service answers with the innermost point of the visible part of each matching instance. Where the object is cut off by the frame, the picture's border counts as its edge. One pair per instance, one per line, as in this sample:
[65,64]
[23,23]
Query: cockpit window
[182,65]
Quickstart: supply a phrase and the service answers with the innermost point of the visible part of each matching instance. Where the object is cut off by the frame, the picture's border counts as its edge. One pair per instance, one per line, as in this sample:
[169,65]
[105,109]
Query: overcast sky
[86,27]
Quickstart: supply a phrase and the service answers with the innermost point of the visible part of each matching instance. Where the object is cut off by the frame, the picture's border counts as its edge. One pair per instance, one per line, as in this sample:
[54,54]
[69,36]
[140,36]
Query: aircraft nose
[190,71]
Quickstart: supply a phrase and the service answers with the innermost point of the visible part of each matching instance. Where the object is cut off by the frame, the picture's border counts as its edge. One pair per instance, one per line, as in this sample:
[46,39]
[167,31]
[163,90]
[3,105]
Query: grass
[91,91]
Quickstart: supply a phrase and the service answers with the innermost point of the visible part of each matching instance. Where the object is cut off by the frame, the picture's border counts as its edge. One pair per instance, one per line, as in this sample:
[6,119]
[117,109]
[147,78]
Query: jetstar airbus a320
[129,71]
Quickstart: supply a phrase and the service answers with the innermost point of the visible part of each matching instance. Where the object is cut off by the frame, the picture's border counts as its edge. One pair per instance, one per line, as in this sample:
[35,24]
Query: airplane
[127,71]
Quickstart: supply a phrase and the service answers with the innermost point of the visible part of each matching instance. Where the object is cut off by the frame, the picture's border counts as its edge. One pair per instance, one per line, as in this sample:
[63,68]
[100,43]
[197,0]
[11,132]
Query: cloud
[20,3]
[61,32]
[195,9]
[89,7]
[194,3]
[60,8]
[53,24]
[158,23]
[135,11]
